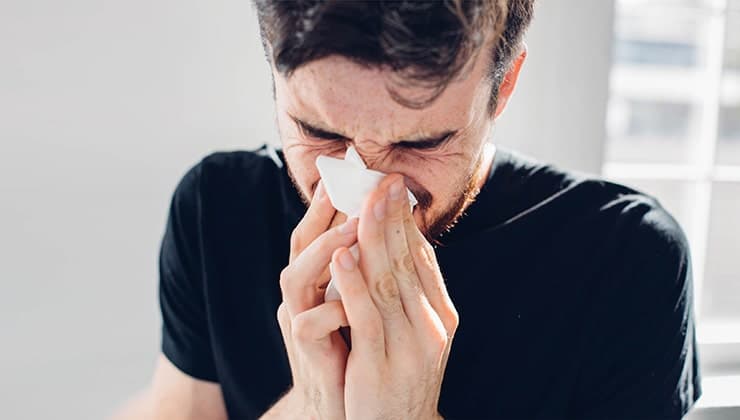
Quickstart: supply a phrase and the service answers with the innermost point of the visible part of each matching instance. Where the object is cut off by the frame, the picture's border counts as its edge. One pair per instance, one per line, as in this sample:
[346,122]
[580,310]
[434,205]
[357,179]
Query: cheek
[301,155]
[434,172]
[301,158]
[302,169]
[444,181]
[445,189]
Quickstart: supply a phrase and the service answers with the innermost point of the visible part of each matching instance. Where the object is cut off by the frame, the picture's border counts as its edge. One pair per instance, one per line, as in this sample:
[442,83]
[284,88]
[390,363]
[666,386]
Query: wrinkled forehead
[357,99]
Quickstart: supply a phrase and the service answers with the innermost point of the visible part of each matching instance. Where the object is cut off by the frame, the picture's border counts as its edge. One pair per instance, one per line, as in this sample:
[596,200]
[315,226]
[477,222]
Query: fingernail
[347,261]
[350,226]
[395,190]
[379,210]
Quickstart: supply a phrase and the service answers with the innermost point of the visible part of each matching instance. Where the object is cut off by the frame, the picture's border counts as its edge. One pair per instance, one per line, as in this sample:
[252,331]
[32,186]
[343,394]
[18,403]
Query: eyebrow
[421,142]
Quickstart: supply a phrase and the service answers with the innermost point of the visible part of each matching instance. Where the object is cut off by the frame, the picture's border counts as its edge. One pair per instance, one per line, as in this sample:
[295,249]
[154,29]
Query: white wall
[103,106]
[559,106]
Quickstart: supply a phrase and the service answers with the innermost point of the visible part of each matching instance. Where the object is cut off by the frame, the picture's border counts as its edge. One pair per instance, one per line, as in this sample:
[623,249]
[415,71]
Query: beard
[431,226]
[434,226]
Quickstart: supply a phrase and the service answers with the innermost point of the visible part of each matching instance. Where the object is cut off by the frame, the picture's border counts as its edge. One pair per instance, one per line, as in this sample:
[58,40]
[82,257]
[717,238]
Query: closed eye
[427,144]
[319,133]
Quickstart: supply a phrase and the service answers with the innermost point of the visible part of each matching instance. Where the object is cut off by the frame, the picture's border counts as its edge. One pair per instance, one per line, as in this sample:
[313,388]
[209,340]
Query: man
[513,289]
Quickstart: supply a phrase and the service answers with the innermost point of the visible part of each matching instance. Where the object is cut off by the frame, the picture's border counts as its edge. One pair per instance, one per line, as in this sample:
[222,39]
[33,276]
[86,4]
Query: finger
[338,219]
[374,263]
[366,325]
[317,341]
[285,330]
[316,221]
[431,280]
[399,254]
[301,281]
[311,329]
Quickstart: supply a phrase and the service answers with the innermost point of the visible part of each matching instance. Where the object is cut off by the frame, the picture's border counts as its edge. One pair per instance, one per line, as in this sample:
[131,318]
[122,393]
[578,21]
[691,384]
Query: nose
[372,159]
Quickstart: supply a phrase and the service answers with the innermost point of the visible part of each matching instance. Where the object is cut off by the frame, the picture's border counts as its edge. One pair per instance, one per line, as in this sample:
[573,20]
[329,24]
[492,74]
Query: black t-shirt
[574,294]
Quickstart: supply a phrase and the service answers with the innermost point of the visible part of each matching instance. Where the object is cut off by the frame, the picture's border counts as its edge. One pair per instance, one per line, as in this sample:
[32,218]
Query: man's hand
[401,317]
[316,351]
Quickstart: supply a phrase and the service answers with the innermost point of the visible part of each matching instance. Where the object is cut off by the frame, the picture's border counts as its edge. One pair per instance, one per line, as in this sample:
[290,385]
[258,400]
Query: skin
[395,301]
[342,97]
[402,320]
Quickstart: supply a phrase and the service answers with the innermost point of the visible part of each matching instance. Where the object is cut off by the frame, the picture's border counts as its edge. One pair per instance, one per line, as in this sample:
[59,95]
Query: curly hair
[426,44]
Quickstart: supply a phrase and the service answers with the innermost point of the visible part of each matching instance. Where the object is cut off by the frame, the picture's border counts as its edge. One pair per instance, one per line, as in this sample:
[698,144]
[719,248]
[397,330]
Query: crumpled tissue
[347,182]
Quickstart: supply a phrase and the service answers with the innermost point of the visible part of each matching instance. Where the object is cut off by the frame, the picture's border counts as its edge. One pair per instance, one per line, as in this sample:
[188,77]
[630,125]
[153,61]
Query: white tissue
[347,182]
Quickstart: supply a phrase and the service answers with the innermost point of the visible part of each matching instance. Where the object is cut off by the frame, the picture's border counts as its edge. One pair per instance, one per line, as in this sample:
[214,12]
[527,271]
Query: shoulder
[649,226]
[631,225]
[250,169]
[260,160]
[653,258]
[572,199]
[643,228]
[639,234]
[231,175]
[226,194]
[643,265]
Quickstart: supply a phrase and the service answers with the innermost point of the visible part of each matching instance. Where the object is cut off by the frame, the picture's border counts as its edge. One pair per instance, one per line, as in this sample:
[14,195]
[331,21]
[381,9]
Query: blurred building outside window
[674,132]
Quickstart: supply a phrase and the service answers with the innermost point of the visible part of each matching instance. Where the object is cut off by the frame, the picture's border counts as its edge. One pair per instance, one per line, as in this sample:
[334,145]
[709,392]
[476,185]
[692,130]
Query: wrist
[285,408]
[296,404]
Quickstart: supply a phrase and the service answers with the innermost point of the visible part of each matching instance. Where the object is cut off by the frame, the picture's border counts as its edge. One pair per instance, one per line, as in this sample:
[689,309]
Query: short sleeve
[185,331]
[640,359]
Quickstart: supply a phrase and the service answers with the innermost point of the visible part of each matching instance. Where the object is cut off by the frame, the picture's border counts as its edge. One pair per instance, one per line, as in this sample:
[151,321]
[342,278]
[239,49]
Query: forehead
[355,99]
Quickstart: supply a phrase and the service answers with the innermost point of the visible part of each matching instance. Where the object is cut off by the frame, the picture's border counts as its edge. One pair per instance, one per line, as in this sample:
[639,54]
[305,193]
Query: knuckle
[386,289]
[403,263]
[328,239]
[325,243]
[396,217]
[334,237]
[301,328]
[285,279]
[440,336]
[295,240]
[426,254]
[448,315]
[282,315]
[453,320]
[437,342]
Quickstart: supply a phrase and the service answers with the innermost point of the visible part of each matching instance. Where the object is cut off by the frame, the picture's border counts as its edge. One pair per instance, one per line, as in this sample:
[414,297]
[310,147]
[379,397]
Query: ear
[509,82]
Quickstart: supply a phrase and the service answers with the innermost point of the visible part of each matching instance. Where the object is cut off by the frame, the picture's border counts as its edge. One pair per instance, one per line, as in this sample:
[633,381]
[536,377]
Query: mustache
[423,197]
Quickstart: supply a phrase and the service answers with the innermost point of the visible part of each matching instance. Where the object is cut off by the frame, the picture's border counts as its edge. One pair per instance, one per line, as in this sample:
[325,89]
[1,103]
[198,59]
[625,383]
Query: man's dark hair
[426,43]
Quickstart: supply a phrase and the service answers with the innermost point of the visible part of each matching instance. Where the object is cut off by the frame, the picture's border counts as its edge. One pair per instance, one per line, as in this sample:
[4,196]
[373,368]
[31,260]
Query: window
[674,132]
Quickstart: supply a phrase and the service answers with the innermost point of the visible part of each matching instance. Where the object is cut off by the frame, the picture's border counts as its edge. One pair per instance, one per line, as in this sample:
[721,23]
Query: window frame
[719,340]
